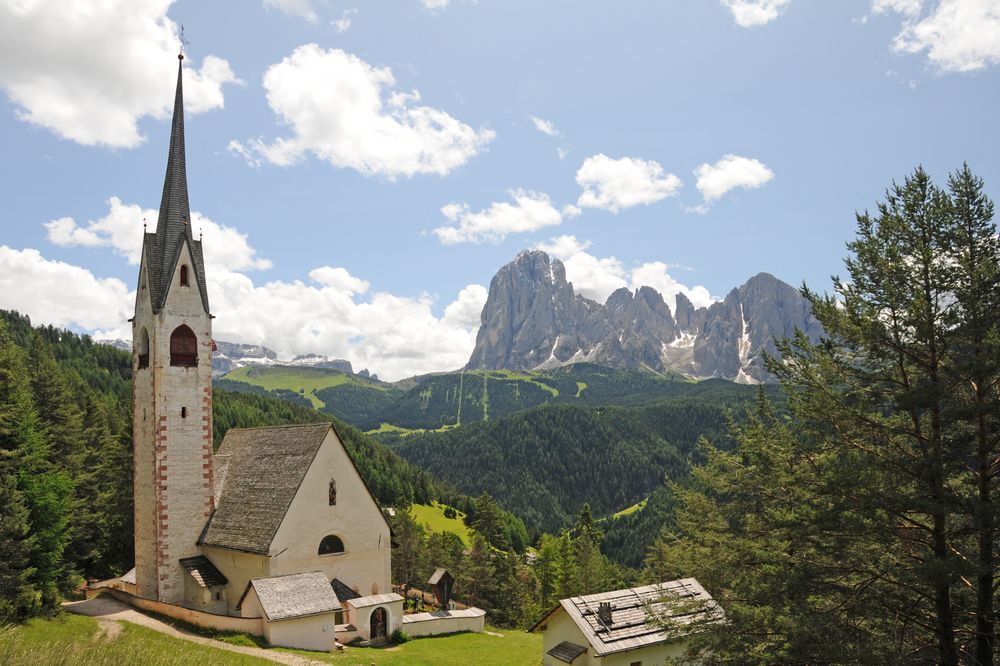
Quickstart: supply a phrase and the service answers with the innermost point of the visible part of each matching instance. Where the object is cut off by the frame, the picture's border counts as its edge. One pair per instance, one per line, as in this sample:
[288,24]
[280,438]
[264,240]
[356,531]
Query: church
[277,526]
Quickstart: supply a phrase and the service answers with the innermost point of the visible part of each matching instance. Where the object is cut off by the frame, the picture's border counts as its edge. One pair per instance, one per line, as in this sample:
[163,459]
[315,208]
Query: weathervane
[184,42]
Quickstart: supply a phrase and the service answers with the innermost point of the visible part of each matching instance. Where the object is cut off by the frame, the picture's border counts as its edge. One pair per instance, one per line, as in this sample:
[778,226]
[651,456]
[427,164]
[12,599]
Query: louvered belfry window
[183,347]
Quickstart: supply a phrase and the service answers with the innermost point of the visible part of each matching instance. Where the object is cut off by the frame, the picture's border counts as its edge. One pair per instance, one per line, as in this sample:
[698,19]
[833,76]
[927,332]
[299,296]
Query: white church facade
[278,524]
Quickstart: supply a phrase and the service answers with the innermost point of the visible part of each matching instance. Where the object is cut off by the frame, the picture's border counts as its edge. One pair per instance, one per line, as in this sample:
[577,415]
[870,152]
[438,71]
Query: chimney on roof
[604,609]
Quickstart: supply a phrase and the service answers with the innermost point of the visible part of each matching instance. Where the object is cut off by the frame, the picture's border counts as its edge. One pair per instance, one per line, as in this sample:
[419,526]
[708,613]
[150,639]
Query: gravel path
[110,612]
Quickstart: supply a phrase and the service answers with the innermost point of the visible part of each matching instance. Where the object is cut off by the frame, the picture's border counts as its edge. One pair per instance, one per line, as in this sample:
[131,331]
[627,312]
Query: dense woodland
[543,464]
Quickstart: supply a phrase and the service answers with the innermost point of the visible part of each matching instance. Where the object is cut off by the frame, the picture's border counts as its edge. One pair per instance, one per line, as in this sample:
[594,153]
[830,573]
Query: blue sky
[361,169]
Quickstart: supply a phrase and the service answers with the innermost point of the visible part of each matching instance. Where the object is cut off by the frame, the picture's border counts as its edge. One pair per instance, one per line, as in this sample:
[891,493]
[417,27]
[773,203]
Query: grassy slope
[432,517]
[71,640]
[307,380]
[510,648]
[638,506]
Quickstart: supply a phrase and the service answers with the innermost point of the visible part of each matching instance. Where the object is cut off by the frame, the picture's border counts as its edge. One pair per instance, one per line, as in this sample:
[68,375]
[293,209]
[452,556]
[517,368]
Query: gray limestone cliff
[533,319]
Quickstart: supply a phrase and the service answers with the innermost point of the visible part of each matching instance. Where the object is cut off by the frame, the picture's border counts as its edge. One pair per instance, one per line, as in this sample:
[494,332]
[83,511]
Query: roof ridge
[285,425]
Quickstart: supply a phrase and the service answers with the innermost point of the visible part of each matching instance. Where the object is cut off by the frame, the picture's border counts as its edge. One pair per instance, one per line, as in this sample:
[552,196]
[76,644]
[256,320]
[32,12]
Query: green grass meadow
[499,647]
[74,640]
[432,517]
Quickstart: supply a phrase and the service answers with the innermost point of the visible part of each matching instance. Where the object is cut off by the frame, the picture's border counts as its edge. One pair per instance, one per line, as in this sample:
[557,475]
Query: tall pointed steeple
[175,213]
[173,227]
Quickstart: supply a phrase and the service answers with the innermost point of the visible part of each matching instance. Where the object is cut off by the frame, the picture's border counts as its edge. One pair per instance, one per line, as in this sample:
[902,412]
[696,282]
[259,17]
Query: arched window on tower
[331,545]
[183,347]
[184,275]
[142,347]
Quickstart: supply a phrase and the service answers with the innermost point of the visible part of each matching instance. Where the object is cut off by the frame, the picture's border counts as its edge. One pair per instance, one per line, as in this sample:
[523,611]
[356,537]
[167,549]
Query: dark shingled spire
[162,249]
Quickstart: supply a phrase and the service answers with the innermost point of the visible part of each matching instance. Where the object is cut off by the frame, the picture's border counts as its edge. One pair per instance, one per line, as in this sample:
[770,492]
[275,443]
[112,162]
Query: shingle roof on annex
[203,571]
[683,603]
[265,468]
[295,595]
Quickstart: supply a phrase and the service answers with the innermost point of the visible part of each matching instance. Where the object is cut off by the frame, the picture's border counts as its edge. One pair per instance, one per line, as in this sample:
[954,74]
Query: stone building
[278,524]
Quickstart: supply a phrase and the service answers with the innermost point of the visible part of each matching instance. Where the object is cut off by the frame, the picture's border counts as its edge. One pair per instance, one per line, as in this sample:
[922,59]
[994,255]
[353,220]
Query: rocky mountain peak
[533,319]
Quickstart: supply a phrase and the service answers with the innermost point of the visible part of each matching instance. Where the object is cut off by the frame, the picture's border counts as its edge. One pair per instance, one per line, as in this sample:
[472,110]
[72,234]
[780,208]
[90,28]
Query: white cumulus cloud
[597,277]
[528,212]
[750,13]
[121,229]
[435,4]
[336,107]
[614,184]
[88,71]
[958,35]
[61,294]
[732,171]
[299,8]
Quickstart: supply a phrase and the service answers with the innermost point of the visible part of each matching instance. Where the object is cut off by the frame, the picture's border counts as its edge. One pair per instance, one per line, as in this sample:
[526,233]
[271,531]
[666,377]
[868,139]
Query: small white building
[640,626]
[299,610]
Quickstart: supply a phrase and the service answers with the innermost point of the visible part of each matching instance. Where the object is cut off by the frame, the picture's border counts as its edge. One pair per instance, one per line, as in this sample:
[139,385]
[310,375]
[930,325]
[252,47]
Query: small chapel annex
[277,527]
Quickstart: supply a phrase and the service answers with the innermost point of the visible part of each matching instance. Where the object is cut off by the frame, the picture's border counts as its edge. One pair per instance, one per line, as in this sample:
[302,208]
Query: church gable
[333,511]
[263,471]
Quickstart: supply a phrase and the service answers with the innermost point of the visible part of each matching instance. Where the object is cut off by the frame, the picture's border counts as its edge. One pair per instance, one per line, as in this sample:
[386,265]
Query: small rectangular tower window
[184,412]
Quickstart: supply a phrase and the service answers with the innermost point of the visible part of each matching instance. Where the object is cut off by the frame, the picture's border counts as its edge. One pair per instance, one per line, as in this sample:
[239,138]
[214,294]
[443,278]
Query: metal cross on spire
[184,42]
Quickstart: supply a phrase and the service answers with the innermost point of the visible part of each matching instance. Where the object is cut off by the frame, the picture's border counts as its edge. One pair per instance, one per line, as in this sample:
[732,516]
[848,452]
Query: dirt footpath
[110,612]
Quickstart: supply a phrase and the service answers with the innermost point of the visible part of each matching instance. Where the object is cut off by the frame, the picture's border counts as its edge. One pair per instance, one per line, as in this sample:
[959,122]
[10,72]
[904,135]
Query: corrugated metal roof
[296,595]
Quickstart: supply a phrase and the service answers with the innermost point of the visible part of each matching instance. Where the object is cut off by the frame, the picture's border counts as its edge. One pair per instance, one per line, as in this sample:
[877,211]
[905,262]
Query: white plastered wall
[238,568]
[356,519]
[560,627]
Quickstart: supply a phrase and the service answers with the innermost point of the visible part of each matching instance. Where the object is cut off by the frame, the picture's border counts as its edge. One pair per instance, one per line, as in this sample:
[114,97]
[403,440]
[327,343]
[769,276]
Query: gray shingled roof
[343,591]
[161,250]
[567,651]
[682,604]
[203,571]
[438,574]
[265,469]
[296,595]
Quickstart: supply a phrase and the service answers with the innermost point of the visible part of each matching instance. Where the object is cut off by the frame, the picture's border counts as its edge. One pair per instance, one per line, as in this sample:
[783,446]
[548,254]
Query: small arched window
[183,347]
[184,276]
[331,545]
[142,347]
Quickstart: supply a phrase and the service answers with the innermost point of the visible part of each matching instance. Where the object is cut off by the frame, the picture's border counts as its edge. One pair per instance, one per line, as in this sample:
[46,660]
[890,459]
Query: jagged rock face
[533,319]
[689,320]
[532,316]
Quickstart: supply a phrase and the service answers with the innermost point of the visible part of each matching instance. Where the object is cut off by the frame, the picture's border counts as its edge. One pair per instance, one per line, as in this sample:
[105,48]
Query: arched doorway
[380,625]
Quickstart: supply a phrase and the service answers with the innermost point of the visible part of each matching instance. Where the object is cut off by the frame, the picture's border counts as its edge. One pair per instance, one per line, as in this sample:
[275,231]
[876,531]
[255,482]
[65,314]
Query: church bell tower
[171,387]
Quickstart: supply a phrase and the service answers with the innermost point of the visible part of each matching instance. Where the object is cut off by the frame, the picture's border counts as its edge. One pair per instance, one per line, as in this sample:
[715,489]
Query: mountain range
[534,320]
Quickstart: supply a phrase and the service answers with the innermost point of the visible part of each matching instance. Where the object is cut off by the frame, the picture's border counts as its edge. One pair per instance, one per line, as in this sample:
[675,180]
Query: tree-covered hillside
[545,463]
[447,400]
